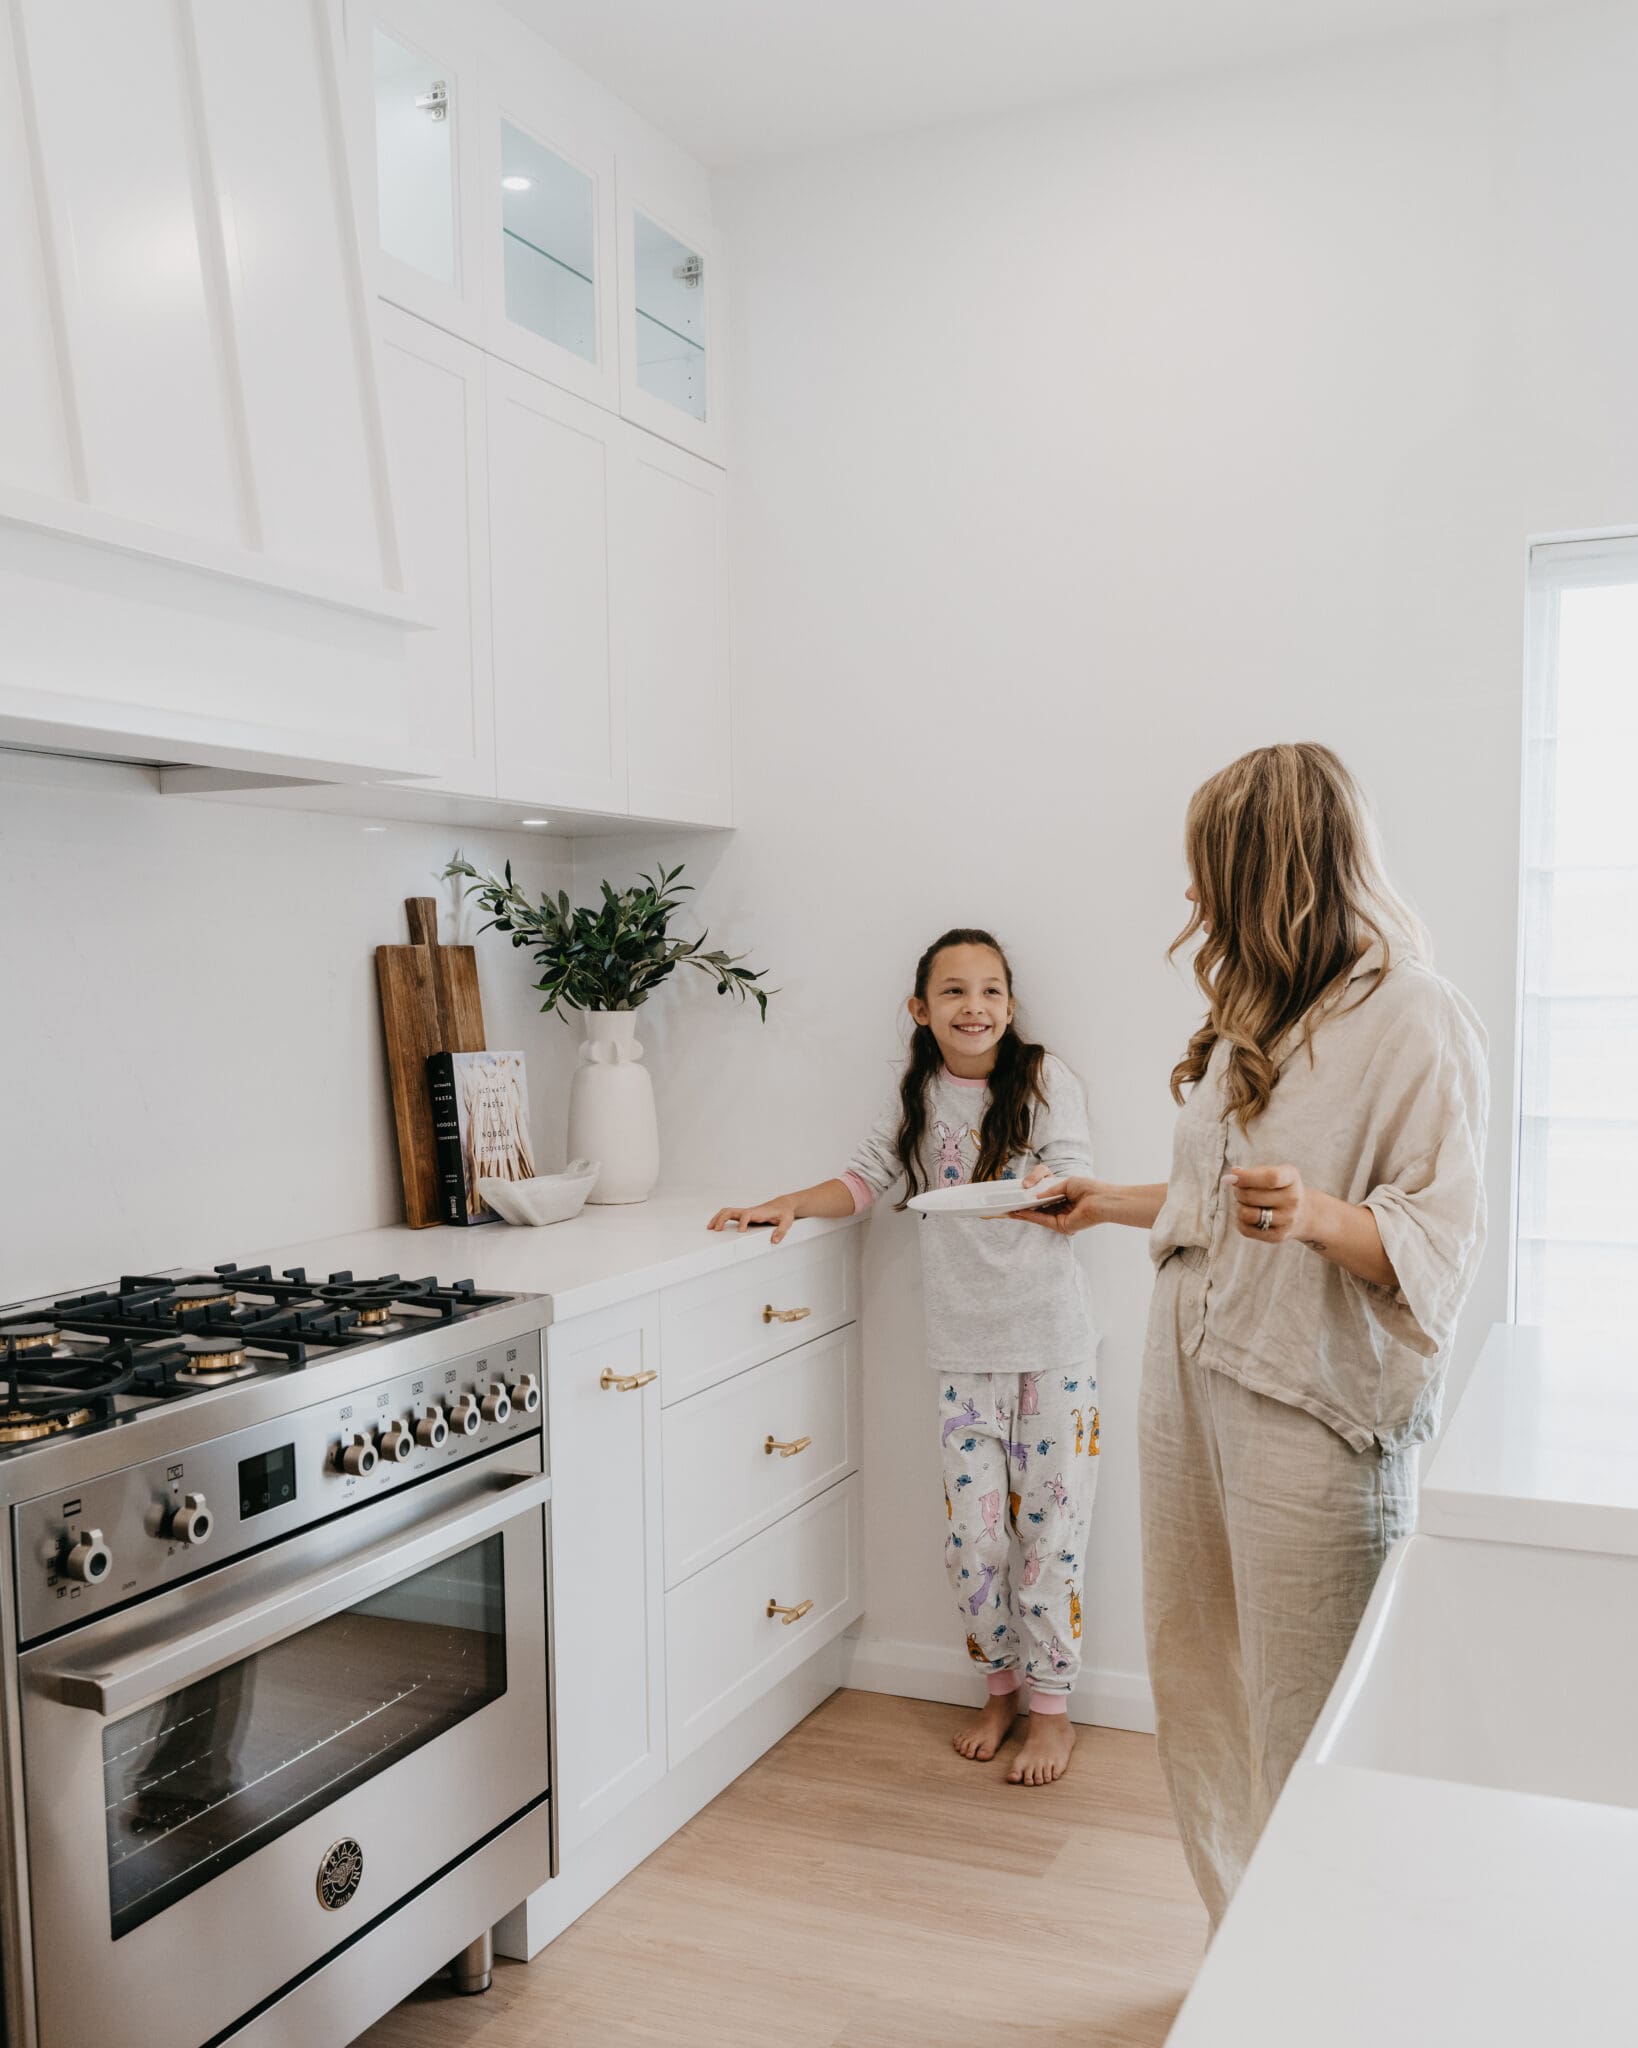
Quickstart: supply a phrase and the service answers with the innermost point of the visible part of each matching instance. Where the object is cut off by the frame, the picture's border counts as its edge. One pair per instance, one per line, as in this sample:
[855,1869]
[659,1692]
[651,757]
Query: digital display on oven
[267,1481]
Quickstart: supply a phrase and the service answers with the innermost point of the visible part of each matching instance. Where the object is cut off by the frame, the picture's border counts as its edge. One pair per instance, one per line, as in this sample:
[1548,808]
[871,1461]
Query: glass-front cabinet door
[548,225]
[416,159]
[671,330]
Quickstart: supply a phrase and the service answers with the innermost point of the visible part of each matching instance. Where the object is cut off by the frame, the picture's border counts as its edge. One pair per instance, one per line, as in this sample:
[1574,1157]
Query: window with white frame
[1576,1215]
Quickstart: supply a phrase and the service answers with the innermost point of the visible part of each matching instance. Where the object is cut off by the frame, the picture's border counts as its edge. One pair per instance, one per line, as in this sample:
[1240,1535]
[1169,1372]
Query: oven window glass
[210,1774]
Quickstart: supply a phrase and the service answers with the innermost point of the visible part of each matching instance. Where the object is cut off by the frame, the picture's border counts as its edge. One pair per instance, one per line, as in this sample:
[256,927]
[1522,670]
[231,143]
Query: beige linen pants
[1263,1534]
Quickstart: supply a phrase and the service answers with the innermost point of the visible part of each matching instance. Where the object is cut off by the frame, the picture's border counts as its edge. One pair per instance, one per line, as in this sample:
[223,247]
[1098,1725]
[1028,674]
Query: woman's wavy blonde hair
[1291,892]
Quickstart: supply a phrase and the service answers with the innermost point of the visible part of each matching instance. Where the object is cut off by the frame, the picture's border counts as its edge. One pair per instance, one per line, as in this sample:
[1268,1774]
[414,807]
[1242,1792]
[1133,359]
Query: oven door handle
[124,1685]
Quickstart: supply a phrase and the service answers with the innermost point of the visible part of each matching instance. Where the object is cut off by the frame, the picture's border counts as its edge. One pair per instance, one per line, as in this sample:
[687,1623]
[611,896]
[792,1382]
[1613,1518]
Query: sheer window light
[1576,1244]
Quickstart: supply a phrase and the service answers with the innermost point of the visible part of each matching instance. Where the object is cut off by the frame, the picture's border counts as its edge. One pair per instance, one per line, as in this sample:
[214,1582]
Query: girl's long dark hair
[1015,1081]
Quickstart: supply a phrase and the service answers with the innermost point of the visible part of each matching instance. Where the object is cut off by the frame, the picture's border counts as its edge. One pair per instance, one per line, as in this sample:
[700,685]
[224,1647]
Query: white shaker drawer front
[745,1622]
[716,1326]
[739,1456]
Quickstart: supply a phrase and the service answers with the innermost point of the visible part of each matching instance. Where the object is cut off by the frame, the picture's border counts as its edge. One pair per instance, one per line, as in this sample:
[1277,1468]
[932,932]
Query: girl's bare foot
[1045,1754]
[986,1732]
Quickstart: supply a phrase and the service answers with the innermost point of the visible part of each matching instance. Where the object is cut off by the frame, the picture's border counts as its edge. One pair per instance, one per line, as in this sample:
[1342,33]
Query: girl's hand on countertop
[780,1214]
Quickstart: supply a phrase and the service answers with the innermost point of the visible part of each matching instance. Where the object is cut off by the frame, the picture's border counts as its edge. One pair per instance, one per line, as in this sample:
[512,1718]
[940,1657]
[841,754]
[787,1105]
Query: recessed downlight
[517,184]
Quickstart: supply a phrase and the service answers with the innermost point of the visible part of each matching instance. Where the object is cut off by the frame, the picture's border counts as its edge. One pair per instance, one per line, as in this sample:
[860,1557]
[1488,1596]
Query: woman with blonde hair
[1313,1246]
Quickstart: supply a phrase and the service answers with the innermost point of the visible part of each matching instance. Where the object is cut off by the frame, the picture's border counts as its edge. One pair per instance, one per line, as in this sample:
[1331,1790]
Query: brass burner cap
[183,1299]
[18,1428]
[202,1364]
[375,1315]
[31,1336]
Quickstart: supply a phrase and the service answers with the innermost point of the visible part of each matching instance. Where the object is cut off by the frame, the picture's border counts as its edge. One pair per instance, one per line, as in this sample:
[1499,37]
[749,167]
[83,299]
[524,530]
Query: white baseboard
[935,1671]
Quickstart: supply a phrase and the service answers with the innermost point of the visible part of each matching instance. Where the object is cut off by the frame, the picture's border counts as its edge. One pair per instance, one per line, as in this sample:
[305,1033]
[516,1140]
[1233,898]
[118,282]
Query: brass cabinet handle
[789,1450]
[625,1382]
[789,1614]
[770,1314]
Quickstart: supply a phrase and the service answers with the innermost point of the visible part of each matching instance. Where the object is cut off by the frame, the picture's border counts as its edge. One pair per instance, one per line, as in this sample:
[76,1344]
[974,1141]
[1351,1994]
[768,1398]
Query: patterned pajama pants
[1020,1471]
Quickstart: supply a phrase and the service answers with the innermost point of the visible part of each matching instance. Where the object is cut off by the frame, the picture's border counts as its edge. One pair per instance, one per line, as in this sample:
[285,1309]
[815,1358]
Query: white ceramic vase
[611,1109]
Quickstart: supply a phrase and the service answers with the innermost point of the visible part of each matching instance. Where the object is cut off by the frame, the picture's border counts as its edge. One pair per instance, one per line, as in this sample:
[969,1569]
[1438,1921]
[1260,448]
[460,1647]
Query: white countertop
[1541,1448]
[605,1255]
[1386,1909]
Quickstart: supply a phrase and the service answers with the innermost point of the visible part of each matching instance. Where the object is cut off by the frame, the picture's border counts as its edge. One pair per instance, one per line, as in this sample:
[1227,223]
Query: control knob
[192,1522]
[497,1404]
[526,1394]
[89,1559]
[464,1417]
[395,1442]
[356,1455]
[432,1431]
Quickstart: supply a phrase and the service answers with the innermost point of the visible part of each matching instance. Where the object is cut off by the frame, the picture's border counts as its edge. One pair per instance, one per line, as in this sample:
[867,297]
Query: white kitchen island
[1455,1857]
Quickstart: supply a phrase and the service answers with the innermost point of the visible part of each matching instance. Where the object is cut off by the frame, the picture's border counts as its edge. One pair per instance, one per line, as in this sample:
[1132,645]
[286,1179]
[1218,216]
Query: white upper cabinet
[414,81]
[671,328]
[434,394]
[554,488]
[549,250]
[672,558]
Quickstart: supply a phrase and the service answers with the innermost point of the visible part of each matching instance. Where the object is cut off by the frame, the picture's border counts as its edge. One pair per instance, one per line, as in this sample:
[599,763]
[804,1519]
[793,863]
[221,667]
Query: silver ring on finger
[1265,1219]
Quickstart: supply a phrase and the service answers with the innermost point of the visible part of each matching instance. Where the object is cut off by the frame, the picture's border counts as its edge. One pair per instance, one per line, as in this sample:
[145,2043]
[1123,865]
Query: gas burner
[20,1426]
[29,1337]
[53,1397]
[376,1312]
[214,1361]
[186,1299]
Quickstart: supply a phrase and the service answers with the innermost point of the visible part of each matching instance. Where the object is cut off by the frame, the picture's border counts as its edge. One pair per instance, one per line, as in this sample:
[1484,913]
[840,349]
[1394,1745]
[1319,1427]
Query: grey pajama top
[998,1297]
[1388,1109]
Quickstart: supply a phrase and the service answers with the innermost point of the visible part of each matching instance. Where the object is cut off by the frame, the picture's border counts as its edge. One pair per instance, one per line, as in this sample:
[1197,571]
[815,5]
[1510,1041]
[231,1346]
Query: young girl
[1007,1334]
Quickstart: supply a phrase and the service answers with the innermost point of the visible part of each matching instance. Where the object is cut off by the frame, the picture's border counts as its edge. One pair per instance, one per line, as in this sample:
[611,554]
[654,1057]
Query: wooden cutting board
[429,1003]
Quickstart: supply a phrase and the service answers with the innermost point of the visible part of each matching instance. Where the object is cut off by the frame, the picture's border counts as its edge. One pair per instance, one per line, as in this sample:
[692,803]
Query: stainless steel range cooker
[275,1722]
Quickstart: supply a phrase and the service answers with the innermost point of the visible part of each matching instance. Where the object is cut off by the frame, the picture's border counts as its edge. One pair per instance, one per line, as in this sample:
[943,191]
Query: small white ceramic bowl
[548,1198]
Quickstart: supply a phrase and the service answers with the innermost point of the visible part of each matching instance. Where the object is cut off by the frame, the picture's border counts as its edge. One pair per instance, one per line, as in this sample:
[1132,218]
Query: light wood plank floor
[864,1887]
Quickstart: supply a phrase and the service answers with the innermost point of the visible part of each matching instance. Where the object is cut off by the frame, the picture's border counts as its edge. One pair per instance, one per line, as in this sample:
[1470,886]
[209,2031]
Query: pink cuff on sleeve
[862,1192]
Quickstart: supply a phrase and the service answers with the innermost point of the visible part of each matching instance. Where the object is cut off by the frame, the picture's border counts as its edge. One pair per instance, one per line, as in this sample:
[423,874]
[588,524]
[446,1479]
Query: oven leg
[471,1968]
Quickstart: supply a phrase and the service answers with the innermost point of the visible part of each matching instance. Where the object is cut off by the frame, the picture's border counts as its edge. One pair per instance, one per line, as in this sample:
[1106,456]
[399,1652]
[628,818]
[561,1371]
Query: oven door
[229,1782]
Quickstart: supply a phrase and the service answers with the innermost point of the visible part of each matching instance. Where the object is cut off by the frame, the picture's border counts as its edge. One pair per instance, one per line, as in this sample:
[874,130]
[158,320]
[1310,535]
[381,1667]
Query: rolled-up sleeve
[1429,1202]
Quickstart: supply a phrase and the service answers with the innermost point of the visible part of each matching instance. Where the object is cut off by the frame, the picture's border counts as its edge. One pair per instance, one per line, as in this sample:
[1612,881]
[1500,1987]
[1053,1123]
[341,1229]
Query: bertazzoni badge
[339,1873]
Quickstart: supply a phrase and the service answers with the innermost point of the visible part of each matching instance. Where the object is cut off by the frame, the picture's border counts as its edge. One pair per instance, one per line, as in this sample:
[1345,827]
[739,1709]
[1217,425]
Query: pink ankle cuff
[1002,1682]
[1049,1703]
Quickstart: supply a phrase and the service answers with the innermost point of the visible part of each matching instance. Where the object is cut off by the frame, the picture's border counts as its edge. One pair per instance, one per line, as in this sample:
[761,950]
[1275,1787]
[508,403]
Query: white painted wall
[1075,454]
[193,1053]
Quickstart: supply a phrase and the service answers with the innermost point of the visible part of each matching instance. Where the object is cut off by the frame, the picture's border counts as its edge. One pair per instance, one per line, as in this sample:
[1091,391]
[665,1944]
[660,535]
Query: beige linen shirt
[1387,1108]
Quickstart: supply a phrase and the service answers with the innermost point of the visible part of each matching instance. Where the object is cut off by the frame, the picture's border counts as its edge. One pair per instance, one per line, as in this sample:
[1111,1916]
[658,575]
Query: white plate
[988,1198]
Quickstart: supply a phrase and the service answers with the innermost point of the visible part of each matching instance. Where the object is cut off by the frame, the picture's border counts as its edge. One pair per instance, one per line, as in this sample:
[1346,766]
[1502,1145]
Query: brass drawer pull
[789,1614]
[625,1382]
[770,1314]
[787,1450]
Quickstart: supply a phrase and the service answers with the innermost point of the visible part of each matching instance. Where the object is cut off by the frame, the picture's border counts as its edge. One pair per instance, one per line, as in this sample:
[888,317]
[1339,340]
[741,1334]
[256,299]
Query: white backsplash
[193,1060]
